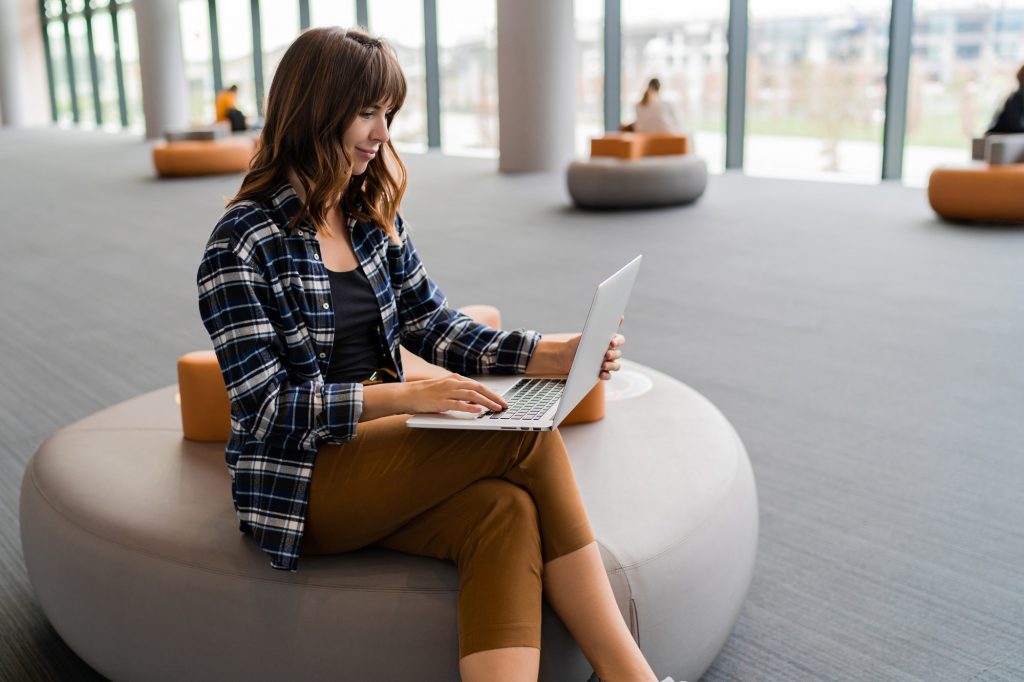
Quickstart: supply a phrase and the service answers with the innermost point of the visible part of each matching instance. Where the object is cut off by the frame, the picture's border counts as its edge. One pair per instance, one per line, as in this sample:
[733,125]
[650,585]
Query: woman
[308,285]
[652,114]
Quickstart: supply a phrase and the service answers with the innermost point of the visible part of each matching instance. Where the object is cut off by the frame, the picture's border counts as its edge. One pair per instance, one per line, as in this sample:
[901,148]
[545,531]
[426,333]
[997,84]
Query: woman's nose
[380,131]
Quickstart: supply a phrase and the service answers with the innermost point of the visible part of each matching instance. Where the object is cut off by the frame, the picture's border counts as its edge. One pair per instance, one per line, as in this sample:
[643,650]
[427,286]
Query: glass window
[468,54]
[332,13]
[816,89]
[61,88]
[194,19]
[279,26]
[83,80]
[235,28]
[684,46]
[106,68]
[589,73]
[400,22]
[963,66]
[129,38]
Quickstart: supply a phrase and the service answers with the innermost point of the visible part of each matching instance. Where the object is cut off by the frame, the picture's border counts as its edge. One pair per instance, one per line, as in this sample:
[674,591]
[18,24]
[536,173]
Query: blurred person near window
[227,109]
[1010,119]
[652,114]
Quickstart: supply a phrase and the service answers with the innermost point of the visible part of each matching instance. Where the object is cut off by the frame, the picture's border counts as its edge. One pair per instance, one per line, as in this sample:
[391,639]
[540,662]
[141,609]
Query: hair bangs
[386,84]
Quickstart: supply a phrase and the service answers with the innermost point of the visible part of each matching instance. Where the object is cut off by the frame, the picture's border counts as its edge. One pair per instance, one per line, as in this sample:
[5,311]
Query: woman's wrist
[551,356]
[383,400]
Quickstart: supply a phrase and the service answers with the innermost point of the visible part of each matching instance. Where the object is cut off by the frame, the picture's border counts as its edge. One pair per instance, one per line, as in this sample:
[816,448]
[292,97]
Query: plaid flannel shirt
[265,299]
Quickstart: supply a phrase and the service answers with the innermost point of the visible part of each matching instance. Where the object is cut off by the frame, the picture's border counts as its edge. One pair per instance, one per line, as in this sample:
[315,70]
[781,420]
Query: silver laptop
[539,403]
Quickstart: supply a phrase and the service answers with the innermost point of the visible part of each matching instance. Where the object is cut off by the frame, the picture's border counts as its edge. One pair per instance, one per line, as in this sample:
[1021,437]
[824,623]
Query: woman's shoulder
[249,224]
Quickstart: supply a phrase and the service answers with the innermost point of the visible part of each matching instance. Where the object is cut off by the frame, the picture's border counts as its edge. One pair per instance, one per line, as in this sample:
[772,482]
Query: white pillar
[23,95]
[10,66]
[162,67]
[536,84]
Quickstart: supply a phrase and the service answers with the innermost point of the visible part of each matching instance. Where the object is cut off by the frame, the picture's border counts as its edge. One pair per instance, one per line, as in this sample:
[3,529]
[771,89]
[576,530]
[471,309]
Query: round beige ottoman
[203,157]
[647,182]
[133,550]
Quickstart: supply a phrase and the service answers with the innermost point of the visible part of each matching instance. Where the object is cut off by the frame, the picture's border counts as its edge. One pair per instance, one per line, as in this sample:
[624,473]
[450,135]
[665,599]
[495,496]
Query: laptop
[540,403]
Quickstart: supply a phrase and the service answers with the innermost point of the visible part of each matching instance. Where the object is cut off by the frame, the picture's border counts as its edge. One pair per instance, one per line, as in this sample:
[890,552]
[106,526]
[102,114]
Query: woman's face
[364,137]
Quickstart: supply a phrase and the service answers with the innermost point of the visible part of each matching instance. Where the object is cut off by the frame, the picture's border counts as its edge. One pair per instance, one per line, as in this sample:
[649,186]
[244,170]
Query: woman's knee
[507,504]
[506,514]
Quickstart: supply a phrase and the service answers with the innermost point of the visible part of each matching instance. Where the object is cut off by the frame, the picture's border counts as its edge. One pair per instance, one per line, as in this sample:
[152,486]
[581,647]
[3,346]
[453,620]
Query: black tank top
[354,356]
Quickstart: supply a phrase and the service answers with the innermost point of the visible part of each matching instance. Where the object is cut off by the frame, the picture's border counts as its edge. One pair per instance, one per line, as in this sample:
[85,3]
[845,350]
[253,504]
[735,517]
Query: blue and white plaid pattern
[265,299]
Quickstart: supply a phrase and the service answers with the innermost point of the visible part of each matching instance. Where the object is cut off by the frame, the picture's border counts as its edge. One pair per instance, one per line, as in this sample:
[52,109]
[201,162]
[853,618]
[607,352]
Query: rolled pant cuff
[499,637]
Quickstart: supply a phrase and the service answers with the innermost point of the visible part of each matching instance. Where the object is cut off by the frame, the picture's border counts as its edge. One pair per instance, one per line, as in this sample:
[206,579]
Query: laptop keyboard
[529,399]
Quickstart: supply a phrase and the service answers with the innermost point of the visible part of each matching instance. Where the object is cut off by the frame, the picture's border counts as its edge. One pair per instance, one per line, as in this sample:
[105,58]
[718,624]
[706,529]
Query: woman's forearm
[383,400]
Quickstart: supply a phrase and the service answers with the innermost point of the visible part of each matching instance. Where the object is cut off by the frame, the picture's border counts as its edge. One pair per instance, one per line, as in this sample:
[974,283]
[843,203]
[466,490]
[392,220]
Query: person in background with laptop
[307,286]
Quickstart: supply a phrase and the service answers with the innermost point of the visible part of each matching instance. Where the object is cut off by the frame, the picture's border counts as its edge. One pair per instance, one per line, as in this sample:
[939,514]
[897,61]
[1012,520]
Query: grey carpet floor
[869,355]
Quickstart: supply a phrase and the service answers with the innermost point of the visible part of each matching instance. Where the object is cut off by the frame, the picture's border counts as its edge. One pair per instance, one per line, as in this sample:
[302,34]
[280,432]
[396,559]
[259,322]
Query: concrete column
[536,85]
[23,95]
[162,67]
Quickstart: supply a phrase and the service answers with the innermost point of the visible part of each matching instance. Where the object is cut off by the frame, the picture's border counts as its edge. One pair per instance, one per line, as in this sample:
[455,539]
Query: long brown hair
[325,78]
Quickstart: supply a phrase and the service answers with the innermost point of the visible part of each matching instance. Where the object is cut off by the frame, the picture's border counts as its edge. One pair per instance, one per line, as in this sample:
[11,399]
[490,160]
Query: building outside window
[332,13]
[963,66]
[234,19]
[400,22]
[129,37]
[279,26]
[589,20]
[106,64]
[468,53]
[197,51]
[816,89]
[684,46]
[80,60]
[61,86]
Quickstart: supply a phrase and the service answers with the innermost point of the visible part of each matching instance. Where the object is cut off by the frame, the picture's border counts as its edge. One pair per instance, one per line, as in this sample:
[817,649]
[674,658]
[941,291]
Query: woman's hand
[452,392]
[555,353]
[611,356]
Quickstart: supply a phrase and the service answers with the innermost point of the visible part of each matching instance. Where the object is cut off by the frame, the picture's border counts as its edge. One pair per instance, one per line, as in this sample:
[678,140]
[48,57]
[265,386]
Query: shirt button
[323,355]
[316,256]
[327,306]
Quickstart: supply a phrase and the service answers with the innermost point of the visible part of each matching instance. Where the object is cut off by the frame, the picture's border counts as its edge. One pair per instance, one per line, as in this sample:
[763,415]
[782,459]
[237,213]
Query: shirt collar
[286,200]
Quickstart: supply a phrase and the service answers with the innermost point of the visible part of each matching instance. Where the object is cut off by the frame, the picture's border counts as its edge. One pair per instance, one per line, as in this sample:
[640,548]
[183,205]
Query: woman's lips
[366,153]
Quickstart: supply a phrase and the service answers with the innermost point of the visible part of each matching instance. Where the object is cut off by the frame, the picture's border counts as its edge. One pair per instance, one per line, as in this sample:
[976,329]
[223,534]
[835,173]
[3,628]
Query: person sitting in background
[1010,119]
[652,114]
[227,109]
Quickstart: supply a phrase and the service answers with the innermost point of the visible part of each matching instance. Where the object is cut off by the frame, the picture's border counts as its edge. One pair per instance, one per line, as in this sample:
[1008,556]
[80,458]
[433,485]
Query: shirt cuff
[343,405]
[515,351]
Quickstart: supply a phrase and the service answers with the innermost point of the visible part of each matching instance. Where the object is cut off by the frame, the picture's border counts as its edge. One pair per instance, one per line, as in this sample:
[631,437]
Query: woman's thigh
[372,485]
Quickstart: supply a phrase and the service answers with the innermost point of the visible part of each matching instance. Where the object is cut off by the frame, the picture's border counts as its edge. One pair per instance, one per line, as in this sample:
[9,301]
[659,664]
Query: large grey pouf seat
[132,547]
[608,182]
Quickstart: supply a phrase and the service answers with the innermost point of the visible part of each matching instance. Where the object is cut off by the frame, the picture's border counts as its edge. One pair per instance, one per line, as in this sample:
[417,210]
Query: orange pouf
[638,145]
[203,157]
[980,193]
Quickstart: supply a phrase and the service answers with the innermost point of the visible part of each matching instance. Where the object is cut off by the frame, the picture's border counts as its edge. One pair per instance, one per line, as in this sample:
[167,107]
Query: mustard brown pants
[500,504]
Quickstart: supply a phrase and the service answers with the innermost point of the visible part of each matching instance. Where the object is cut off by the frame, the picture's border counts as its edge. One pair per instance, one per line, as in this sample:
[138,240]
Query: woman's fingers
[469,392]
[611,357]
[477,398]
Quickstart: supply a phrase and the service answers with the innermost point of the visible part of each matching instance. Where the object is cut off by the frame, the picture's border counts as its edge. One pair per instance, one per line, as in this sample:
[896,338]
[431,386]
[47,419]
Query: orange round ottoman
[203,157]
[979,193]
